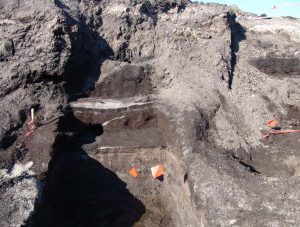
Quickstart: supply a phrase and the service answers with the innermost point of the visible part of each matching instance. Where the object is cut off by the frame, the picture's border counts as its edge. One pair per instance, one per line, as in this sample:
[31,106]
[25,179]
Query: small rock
[31,54]
[6,49]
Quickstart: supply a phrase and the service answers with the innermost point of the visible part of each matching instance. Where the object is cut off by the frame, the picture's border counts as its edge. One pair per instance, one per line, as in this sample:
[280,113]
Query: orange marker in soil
[157,171]
[28,133]
[134,172]
[272,123]
[280,132]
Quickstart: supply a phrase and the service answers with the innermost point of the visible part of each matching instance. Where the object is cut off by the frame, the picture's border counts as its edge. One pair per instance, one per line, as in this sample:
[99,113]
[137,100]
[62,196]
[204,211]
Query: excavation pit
[89,183]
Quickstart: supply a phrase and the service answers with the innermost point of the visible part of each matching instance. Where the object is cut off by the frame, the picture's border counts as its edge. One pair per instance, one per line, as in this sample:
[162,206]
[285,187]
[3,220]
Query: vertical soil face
[79,191]
[122,80]
[88,183]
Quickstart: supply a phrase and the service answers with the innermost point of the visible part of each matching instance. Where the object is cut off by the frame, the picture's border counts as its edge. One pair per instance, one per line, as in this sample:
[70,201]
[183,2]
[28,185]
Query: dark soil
[80,191]
[278,67]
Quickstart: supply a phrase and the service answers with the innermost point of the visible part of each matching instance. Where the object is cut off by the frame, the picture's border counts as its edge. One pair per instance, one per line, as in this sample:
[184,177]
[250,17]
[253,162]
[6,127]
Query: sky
[283,8]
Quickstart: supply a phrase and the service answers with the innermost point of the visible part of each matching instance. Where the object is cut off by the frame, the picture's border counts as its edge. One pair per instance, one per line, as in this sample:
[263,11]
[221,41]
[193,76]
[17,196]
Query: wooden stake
[32,115]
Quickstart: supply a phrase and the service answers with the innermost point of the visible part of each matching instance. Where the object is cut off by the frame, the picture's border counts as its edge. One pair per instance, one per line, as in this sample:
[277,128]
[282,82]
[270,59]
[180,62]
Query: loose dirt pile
[121,84]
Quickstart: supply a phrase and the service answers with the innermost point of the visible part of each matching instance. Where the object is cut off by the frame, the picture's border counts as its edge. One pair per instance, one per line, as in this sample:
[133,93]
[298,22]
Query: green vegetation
[234,10]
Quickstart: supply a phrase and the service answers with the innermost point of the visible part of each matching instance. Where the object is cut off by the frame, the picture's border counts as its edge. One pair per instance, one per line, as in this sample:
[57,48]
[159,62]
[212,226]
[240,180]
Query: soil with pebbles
[116,83]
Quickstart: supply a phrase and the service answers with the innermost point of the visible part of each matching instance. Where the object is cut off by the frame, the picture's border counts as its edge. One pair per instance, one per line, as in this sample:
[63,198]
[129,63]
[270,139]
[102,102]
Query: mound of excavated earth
[132,83]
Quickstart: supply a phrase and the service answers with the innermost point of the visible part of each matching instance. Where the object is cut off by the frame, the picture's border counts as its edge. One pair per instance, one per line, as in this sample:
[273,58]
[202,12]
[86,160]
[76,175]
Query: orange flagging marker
[134,172]
[29,133]
[272,123]
[157,171]
[286,131]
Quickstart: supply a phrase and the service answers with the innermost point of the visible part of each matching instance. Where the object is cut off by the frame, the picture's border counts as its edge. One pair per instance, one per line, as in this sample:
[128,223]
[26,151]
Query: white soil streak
[114,119]
[105,104]
[104,148]
[19,169]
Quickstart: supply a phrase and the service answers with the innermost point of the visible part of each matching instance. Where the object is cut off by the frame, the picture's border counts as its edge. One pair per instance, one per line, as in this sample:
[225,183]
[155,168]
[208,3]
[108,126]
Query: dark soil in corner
[79,191]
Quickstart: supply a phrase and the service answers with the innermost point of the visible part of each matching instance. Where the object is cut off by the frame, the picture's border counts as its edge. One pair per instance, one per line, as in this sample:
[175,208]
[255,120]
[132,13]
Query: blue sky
[284,8]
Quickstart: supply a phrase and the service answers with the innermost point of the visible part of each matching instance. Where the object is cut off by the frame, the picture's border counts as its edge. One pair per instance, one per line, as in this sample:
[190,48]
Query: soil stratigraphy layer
[121,84]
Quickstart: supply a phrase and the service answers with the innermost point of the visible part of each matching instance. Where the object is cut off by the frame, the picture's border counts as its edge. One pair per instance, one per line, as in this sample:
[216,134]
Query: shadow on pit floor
[79,191]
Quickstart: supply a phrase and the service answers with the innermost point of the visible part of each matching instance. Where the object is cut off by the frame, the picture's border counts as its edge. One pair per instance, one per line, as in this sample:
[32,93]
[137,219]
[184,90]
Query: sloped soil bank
[280,156]
[92,187]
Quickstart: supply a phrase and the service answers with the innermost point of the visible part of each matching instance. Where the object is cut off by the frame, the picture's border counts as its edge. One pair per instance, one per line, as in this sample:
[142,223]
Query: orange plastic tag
[272,123]
[28,133]
[286,131]
[157,171]
[134,172]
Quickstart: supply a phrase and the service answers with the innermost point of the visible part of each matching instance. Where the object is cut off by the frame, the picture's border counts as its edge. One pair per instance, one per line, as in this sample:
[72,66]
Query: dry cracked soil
[132,83]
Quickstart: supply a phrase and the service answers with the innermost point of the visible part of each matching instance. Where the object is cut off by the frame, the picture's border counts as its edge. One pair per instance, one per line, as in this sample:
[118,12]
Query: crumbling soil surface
[121,84]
